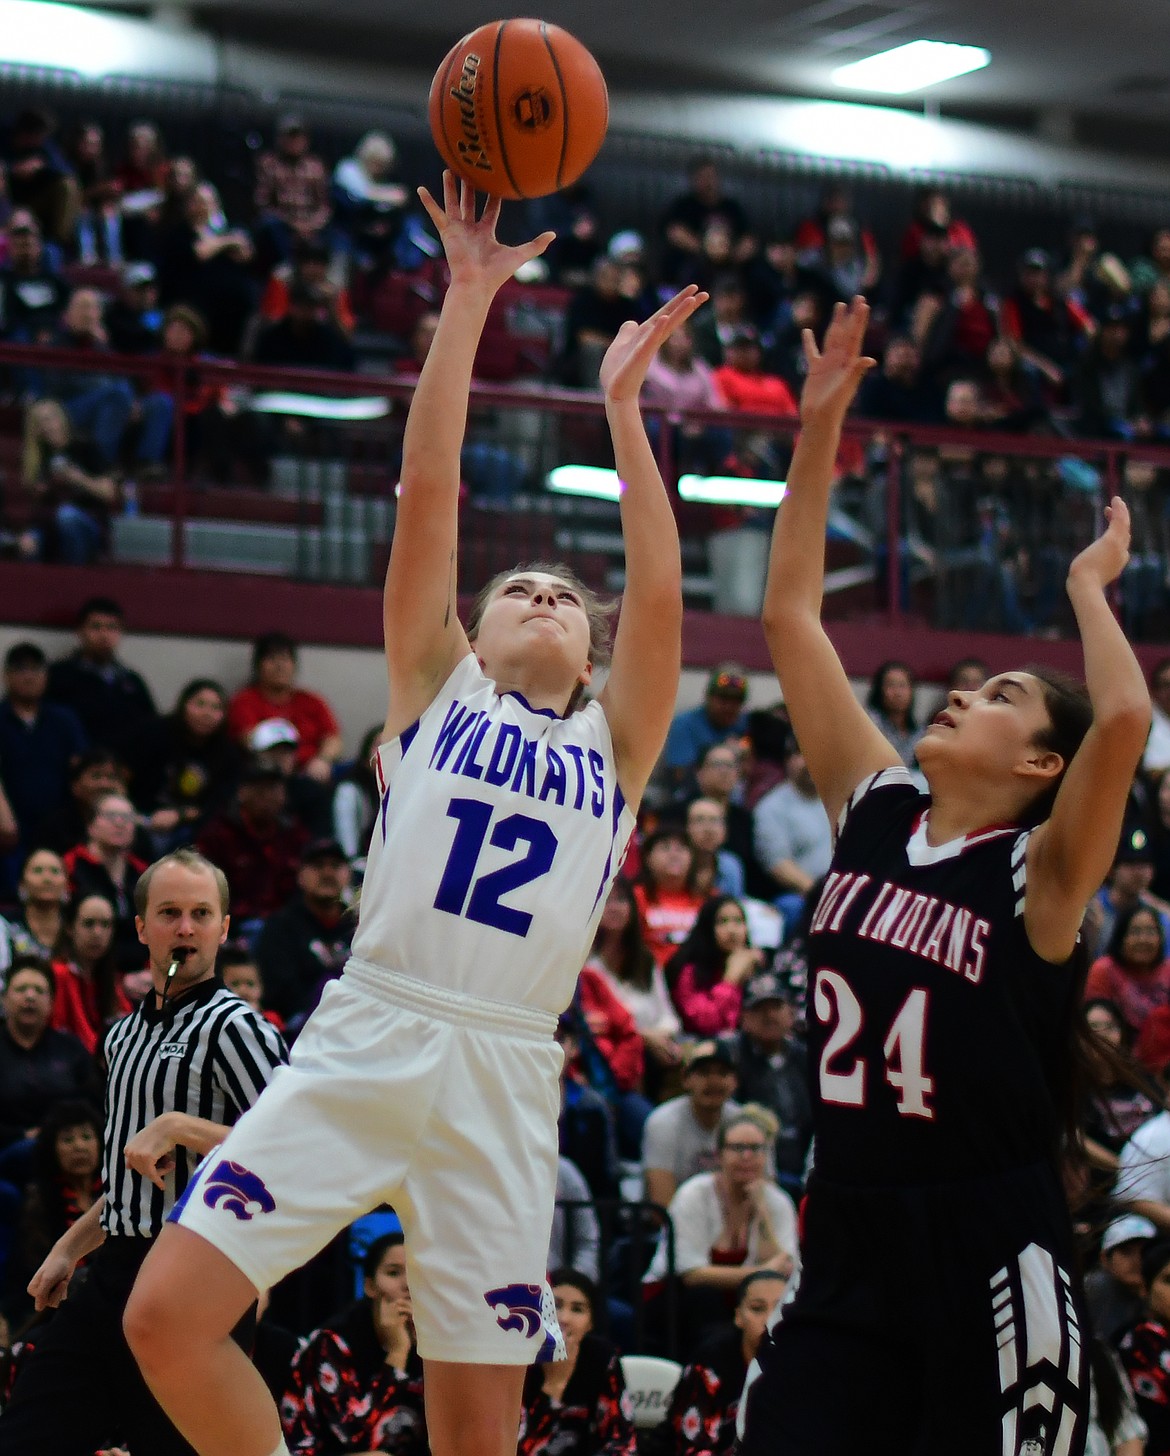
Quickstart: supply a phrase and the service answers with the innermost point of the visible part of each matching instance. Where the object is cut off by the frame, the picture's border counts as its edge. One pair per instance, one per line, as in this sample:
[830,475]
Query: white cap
[1122,1230]
[271,734]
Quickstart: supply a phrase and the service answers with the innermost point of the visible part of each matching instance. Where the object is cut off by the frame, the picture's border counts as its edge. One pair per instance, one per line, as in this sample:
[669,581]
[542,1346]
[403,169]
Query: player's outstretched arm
[1070,854]
[840,743]
[639,695]
[424,639]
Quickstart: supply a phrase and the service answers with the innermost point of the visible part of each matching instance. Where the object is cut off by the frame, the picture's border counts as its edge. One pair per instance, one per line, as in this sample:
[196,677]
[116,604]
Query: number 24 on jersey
[843,1079]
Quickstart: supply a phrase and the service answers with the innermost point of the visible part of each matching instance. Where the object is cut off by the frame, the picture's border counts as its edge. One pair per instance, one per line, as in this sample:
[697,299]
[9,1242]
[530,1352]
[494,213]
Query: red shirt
[75,1006]
[309,714]
[757,394]
[666,920]
[612,1027]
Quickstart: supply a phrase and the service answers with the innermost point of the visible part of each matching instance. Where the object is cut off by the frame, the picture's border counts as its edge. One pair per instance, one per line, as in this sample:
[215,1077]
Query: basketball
[519,108]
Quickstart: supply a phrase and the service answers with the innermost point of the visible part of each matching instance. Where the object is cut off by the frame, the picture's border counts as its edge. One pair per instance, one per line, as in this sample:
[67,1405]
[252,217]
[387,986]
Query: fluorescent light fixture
[72,38]
[587,480]
[911,67]
[730,490]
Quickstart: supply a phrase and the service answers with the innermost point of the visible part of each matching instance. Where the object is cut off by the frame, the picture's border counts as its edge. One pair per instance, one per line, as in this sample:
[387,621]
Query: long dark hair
[105,969]
[1121,926]
[701,950]
[877,688]
[636,966]
[193,688]
[651,843]
[1070,716]
[46,1171]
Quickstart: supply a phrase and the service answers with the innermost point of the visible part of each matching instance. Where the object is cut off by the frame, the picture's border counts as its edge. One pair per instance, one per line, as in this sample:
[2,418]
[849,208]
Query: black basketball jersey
[936,1033]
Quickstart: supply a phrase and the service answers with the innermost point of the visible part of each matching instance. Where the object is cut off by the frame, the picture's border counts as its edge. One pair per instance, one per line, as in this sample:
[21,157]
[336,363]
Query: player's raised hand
[1104,560]
[837,368]
[475,255]
[626,360]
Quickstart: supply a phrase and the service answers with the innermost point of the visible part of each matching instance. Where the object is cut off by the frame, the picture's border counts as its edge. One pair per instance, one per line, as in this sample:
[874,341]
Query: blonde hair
[188,859]
[376,147]
[758,1116]
[32,458]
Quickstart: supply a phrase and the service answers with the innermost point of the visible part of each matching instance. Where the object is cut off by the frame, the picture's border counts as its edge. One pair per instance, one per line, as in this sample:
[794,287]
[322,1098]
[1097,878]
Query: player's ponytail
[1070,716]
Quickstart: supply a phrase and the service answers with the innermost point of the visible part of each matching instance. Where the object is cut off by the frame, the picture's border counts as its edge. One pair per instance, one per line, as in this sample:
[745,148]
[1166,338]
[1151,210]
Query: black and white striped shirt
[208,1055]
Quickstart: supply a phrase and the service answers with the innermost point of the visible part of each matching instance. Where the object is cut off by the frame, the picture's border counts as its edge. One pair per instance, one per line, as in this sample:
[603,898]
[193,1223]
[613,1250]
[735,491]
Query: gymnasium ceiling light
[911,67]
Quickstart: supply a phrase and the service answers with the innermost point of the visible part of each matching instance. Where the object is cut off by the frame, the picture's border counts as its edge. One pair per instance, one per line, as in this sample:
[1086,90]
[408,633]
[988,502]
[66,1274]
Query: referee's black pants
[80,1388]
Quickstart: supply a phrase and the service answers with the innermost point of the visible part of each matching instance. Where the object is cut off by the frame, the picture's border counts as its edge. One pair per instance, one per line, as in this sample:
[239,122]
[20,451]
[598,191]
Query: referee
[185,1065]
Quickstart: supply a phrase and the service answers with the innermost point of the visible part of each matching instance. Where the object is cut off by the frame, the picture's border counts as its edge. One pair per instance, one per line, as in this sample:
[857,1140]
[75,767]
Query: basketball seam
[449,160]
[552,55]
[496,103]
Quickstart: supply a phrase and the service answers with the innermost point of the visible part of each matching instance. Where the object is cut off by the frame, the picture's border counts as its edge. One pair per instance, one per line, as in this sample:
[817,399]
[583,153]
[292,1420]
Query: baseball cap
[137,275]
[626,244]
[709,1051]
[1125,1229]
[271,734]
[728,680]
[766,986]
[322,848]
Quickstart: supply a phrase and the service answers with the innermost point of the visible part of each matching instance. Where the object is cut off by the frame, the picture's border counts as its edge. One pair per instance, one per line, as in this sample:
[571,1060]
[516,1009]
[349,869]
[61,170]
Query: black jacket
[113,709]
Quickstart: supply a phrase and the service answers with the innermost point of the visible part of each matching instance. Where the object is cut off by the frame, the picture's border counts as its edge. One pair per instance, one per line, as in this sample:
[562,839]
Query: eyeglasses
[744,1147]
[118,816]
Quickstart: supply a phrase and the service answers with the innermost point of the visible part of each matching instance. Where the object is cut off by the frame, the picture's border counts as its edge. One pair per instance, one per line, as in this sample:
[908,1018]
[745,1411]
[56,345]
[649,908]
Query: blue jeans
[78,535]
[158,413]
[103,412]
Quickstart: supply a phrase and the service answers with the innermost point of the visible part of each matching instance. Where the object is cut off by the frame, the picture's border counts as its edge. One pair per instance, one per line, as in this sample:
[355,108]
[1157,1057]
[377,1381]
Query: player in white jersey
[428,1077]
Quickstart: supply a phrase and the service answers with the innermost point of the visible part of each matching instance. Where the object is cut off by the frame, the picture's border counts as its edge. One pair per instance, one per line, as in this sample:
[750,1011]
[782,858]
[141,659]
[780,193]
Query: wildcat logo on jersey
[239,1191]
[945,934]
[471,745]
[529,1309]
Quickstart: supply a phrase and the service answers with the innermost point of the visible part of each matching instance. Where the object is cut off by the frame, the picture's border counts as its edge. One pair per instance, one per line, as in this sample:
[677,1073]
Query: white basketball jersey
[499,832]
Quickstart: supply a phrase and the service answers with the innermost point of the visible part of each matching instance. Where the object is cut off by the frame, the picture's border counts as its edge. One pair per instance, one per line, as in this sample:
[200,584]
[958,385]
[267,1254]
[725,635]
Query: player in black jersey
[938,1313]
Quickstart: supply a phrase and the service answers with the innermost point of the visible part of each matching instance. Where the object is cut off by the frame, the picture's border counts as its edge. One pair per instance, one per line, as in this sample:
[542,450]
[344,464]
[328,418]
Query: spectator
[890,704]
[1154,353]
[576,1406]
[744,385]
[1107,389]
[596,313]
[38,1066]
[620,954]
[275,742]
[89,997]
[609,1056]
[205,264]
[32,294]
[1121,1097]
[104,865]
[681,1135]
[1134,972]
[1128,885]
[1145,1350]
[239,972]
[932,208]
[690,215]
[306,942]
[370,207]
[66,1181]
[356,799]
[256,845]
[273,693]
[713,327]
[842,266]
[1160,837]
[357,1383]
[1154,266]
[39,929]
[707,831]
[1157,755]
[39,177]
[718,779]
[707,972]
[1048,330]
[719,717]
[1012,395]
[306,337]
[585,1127]
[772,1070]
[95,772]
[292,191]
[1114,1291]
[134,319]
[184,765]
[700,1420]
[97,235]
[667,900]
[811,235]
[576,1233]
[104,406]
[144,169]
[678,380]
[956,335]
[310,267]
[922,283]
[897,392]
[729,1223]
[794,839]
[38,740]
[111,699]
[71,489]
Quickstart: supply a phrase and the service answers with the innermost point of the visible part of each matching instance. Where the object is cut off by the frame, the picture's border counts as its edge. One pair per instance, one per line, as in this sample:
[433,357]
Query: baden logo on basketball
[470,145]
[237,1190]
[533,109]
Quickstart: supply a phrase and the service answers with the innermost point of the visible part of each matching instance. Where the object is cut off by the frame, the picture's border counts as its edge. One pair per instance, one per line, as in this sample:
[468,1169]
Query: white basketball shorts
[444,1106]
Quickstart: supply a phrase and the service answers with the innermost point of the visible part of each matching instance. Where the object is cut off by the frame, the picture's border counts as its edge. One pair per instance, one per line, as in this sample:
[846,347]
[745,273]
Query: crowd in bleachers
[685,1083]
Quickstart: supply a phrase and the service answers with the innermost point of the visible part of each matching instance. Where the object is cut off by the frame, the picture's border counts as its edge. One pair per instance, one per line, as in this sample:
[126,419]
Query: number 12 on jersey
[904,1048]
[462,892]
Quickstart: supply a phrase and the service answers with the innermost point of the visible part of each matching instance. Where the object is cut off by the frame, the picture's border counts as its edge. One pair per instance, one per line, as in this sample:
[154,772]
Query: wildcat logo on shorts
[237,1190]
[529,1309]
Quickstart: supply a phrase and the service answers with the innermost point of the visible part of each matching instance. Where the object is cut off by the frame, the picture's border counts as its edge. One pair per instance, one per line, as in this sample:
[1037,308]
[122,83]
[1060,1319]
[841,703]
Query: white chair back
[650,1381]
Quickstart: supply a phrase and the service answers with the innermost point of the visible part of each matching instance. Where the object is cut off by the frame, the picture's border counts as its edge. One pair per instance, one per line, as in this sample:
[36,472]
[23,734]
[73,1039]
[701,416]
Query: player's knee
[151,1322]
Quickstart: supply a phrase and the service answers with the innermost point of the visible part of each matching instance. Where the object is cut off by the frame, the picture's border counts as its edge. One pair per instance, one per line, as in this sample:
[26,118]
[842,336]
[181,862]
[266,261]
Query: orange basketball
[519,108]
